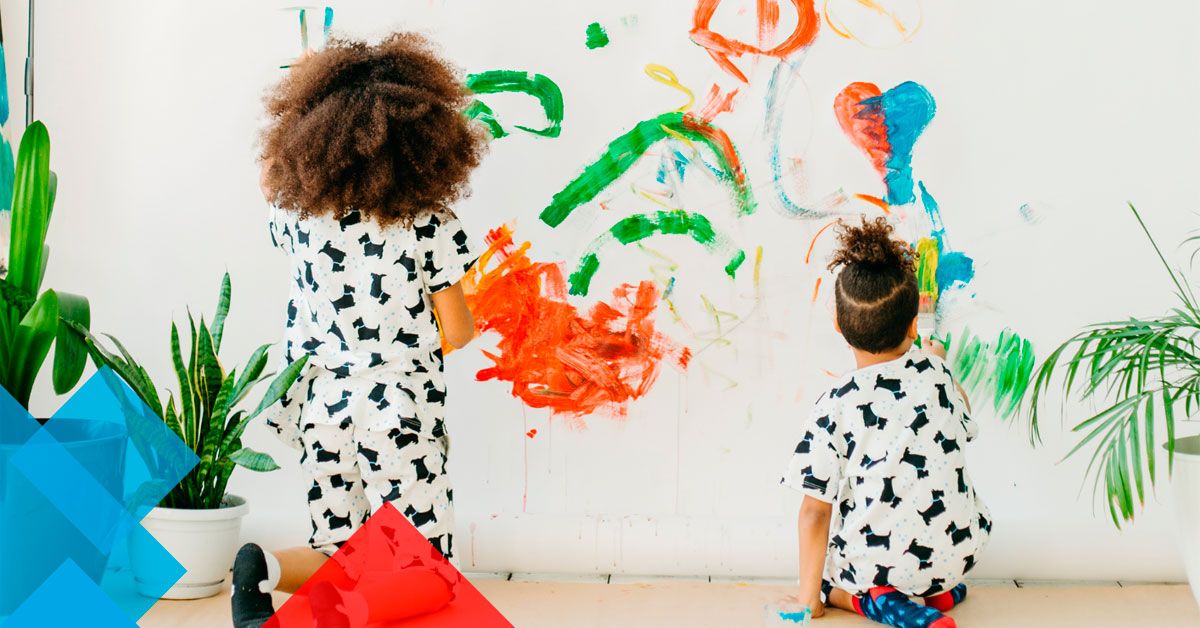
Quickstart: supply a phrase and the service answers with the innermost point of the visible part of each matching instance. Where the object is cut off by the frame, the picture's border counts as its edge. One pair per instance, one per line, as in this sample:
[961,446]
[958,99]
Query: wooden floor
[601,601]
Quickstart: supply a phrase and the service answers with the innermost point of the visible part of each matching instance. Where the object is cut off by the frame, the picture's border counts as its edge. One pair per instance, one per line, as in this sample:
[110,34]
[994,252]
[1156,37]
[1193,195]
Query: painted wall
[1065,108]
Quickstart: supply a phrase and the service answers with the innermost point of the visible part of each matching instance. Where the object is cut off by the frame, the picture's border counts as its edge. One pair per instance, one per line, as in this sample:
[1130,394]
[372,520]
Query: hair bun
[872,245]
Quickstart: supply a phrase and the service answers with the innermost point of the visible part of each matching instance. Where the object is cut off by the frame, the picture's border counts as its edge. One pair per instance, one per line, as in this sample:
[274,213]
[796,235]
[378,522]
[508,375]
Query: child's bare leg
[296,566]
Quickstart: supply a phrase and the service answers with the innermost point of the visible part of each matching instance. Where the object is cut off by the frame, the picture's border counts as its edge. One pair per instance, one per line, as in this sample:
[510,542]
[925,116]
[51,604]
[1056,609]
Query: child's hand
[932,346]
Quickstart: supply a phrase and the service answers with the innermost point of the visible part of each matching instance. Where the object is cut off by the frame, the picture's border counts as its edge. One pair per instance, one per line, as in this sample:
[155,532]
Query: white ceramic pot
[1185,481]
[203,541]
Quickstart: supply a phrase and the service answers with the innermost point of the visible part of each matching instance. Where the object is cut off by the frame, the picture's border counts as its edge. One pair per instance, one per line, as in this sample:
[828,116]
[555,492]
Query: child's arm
[935,347]
[450,305]
[813,527]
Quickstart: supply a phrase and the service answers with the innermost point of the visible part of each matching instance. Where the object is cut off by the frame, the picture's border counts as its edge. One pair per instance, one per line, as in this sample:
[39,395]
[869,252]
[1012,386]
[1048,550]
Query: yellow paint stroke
[658,198]
[683,138]
[811,245]
[664,75]
[757,265]
[875,6]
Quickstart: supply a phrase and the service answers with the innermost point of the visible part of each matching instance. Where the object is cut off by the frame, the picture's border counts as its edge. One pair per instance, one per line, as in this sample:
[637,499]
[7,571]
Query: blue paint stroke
[7,165]
[938,230]
[3,89]
[778,89]
[907,109]
[328,22]
[954,270]
[795,618]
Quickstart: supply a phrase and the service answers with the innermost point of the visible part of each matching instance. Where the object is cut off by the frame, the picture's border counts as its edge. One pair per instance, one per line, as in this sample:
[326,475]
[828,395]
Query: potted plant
[1144,371]
[31,322]
[198,522]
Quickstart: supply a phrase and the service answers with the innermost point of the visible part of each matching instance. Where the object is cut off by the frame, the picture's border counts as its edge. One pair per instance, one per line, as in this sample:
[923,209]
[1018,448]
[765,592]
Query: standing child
[889,511]
[366,151]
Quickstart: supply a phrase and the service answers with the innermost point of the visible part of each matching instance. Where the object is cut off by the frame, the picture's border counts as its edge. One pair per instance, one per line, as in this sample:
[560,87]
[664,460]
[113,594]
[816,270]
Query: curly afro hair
[876,291]
[377,128]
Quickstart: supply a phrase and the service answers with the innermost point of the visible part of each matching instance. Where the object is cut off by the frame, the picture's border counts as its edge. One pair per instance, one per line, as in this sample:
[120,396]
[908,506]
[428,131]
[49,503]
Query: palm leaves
[32,321]
[1148,366]
[203,410]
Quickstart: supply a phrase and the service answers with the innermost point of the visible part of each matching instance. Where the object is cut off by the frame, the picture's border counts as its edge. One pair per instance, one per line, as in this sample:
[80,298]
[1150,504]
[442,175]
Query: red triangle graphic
[387,574]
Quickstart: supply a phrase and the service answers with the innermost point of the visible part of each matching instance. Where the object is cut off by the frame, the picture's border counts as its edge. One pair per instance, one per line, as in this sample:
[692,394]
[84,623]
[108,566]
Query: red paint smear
[813,244]
[555,357]
[719,140]
[868,131]
[876,201]
[531,433]
[721,48]
[716,103]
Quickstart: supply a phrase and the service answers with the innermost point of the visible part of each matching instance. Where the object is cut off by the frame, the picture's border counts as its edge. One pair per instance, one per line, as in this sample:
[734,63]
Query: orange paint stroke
[876,201]
[716,103]
[816,289]
[531,433]
[844,31]
[868,131]
[768,21]
[555,356]
[722,48]
[811,245]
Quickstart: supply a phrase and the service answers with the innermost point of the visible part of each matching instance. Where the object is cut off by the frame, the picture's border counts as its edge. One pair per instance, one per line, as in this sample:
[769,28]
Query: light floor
[627,602]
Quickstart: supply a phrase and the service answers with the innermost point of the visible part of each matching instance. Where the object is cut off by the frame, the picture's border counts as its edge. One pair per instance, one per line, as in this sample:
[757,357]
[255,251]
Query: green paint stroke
[537,85]
[1001,369]
[625,151]
[597,37]
[641,226]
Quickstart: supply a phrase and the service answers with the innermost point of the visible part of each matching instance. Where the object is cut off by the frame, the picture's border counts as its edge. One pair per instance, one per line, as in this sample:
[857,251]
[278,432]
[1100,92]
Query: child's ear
[912,329]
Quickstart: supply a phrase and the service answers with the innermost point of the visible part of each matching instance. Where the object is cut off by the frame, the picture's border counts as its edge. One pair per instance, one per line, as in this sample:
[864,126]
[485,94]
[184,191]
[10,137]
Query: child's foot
[252,586]
[949,599]
[888,606]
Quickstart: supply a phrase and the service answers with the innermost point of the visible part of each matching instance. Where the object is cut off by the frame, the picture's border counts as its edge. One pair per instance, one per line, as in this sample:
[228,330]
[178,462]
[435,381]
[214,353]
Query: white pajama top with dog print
[885,447]
[368,410]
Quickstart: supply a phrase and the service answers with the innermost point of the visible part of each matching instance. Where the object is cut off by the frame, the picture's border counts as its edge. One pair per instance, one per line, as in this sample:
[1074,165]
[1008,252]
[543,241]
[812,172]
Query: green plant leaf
[31,343]
[70,352]
[186,399]
[218,324]
[30,209]
[253,460]
[275,391]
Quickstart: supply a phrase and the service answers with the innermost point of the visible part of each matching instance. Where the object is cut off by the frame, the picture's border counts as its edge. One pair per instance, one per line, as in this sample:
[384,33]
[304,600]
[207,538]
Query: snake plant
[32,320]
[1138,369]
[204,412]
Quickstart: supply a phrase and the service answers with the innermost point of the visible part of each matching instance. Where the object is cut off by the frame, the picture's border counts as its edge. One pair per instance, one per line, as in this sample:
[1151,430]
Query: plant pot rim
[233,507]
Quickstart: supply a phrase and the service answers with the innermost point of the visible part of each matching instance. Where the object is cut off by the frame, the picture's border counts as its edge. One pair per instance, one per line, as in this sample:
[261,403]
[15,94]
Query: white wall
[153,108]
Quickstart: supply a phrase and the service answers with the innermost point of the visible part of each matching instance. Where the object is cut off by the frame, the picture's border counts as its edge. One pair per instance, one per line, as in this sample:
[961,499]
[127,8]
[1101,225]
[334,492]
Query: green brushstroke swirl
[641,226]
[539,86]
[624,152]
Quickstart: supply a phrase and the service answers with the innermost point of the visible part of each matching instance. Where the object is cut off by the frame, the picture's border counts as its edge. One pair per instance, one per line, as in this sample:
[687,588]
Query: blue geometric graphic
[72,494]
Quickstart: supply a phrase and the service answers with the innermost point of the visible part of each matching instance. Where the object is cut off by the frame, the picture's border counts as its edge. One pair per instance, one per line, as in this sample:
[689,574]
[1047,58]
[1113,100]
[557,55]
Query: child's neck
[864,359]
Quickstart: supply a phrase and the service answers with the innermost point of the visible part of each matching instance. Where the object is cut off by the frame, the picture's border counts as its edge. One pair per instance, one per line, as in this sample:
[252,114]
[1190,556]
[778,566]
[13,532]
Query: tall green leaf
[31,343]
[218,324]
[30,209]
[70,352]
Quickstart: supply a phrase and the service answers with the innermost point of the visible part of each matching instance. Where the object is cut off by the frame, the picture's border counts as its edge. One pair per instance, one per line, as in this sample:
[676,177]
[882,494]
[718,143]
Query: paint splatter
[555,356]
[531,433]
[722,48]
[624,152]
[539,86]
[886,126]
[1002,368]
[597,37]
[641,226]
